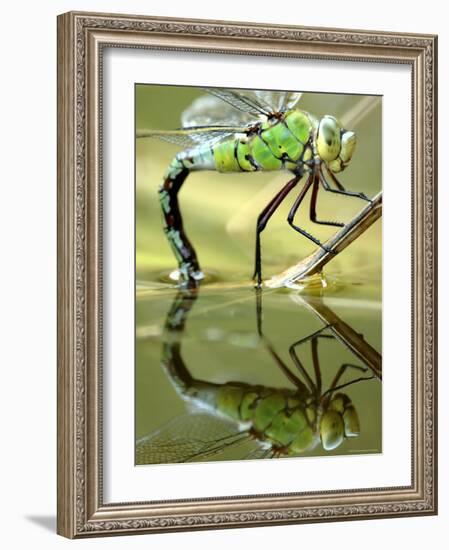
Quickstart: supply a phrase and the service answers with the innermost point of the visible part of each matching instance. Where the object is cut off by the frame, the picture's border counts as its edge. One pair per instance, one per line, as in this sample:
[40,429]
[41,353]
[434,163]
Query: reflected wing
[189,438]
[193,136]
[235,107]
[260,452]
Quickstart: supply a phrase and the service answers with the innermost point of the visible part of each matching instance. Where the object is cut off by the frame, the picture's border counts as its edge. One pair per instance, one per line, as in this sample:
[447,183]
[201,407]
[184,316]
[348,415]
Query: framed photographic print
[247,274]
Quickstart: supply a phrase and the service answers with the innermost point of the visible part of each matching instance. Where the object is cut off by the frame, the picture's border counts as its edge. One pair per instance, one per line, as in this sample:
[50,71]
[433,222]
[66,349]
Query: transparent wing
[278,101]
[212,110]
[236,107]
[260,452]
[246,102]
[221,114]
[189,438]
[193,136]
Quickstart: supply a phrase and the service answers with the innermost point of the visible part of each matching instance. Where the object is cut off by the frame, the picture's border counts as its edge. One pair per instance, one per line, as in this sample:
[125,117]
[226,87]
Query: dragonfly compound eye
[328,139]
[332,430]
[348,143]
[343,405]
[351,420]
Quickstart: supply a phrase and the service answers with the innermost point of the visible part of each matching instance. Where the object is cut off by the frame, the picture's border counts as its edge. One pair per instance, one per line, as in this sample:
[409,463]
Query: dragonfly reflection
[264,422]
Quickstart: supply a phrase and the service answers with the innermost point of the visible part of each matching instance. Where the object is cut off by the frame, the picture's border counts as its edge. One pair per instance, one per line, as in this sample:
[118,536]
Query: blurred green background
[220,342]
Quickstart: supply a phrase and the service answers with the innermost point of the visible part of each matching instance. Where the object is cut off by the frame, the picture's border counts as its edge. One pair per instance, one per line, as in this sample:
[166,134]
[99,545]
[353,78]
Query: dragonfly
[234,131]
[259,421]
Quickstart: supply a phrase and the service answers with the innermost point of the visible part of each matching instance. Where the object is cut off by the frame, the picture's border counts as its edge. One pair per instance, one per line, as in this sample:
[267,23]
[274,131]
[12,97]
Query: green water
[220,342]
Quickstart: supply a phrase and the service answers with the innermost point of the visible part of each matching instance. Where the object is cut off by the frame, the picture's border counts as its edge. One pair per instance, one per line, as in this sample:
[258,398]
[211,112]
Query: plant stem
[344,237]
[351,339]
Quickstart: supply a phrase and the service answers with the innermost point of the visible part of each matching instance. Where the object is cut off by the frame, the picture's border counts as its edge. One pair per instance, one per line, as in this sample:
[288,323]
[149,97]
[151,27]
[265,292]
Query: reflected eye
[328,139]
[332,430]
[351,420]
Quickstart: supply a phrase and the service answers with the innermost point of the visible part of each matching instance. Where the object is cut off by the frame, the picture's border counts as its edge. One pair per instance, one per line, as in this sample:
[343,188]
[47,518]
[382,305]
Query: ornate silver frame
[81,38]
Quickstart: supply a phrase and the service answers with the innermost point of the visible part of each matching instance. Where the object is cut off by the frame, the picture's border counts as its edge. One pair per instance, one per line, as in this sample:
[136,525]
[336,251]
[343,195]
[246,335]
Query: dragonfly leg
[183,249]
[286,370]
[278,360]
[316,363]
[327,395]
[318,332]
[294,209]
[298,364]
[340,189]
[314,342]
[262,221]
[313,198]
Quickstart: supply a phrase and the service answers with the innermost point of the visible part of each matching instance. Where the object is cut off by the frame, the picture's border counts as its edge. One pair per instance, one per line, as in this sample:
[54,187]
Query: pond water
[199,353]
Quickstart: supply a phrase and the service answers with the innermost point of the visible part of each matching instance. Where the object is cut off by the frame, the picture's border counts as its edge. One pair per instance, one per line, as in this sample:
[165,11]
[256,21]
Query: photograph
[247,283]
[258,274]
[226,231]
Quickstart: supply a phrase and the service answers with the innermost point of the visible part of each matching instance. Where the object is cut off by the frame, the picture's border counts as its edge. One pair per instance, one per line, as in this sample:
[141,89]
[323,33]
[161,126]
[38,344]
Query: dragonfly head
[338,421]
[335,145]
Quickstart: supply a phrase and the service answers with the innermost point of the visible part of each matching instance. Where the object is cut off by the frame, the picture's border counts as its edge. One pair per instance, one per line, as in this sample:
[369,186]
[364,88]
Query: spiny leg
[316,333]
[340,189]
[259,311]
[298,363]
[284,368]
[294,209]
[333,387]
[316,363]
[183,249]
[263,219]
[341,371]
[313,198]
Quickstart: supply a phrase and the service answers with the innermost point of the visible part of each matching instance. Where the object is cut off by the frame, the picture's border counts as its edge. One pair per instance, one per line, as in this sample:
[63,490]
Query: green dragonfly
[260,421]
[231,131]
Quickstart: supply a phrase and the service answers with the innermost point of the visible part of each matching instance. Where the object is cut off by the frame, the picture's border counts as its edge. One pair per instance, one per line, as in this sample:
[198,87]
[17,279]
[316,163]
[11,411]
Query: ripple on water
[173,277]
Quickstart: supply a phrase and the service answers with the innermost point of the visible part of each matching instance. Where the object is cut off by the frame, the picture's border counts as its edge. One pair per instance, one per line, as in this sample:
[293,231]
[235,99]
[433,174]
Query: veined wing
[244,102]
[222,106]
[193,136]
[210,110]
[279,101]
[192,437]
[223,113]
